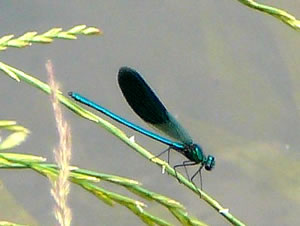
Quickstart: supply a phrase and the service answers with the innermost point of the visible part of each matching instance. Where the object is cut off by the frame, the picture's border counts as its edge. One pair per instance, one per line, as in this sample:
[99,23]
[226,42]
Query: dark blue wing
[146,104]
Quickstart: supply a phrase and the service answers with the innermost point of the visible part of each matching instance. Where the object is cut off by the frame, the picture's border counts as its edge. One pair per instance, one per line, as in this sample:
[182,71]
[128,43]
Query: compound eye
[208,167]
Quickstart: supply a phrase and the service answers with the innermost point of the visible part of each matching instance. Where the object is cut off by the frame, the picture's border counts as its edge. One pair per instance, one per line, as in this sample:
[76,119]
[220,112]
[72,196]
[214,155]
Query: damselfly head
[210,163]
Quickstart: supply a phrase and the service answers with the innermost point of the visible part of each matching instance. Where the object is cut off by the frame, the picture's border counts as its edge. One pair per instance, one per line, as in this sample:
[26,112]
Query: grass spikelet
[61,186]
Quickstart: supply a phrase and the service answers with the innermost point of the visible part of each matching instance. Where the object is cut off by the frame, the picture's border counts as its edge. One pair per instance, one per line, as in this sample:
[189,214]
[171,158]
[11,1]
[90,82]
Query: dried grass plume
[61,186]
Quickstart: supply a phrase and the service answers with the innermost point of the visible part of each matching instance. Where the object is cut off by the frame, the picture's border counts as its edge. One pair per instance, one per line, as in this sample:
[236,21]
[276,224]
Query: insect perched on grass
[146,104]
